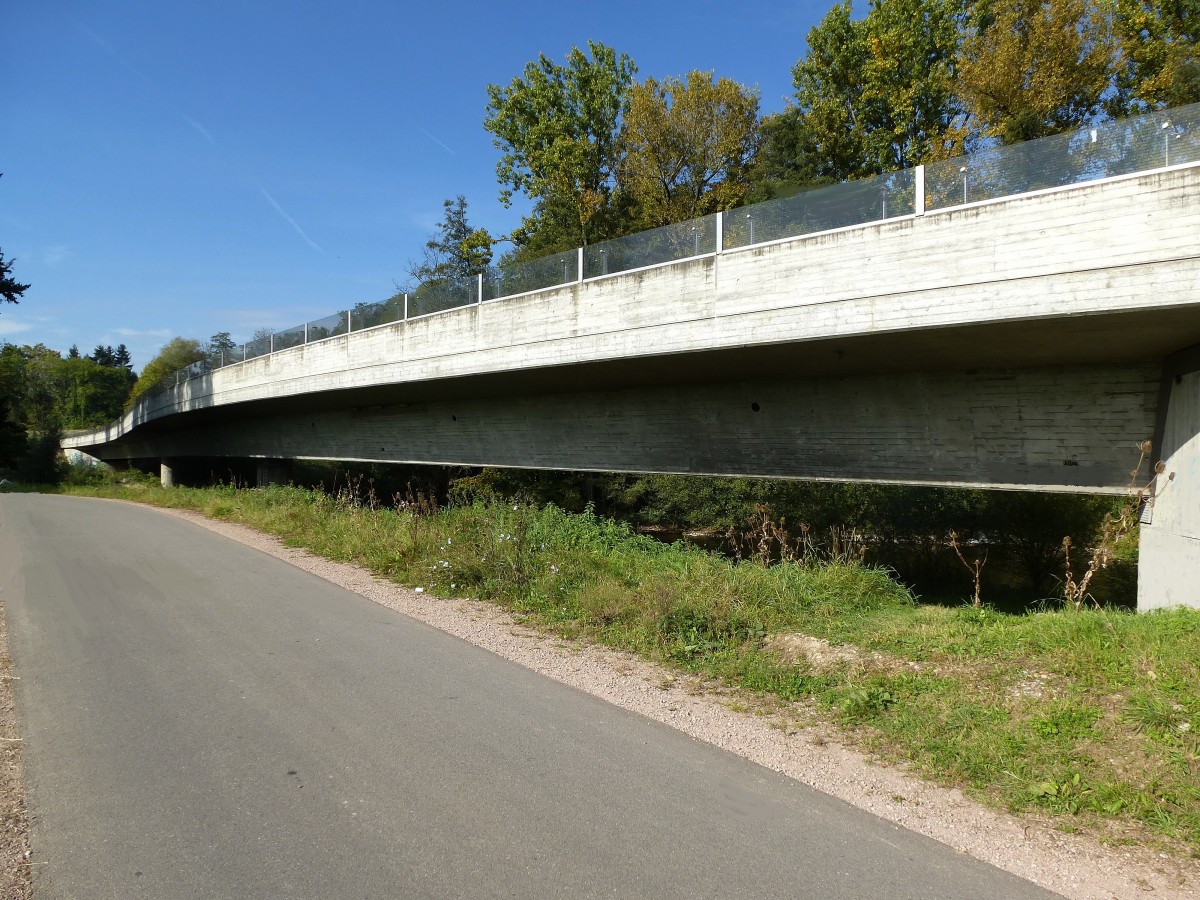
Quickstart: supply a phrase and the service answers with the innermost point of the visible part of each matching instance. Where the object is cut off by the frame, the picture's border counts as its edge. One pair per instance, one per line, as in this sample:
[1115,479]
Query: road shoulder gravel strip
[14,830]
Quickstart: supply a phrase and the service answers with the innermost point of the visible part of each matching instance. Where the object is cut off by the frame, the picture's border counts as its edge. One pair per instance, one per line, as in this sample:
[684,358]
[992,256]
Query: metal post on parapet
[479,285]
[271,344]
[406,307]
[579,264]
[720,232]
[919,188]
[306,332]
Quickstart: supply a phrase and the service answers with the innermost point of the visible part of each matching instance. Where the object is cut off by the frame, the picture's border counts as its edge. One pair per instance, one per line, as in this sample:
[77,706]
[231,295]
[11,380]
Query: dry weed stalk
[1116,526]
[975,567]
[767,537]
[760,541]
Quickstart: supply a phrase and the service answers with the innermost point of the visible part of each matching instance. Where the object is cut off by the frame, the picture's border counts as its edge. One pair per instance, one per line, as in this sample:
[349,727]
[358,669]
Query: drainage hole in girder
[454,418]
[755,407]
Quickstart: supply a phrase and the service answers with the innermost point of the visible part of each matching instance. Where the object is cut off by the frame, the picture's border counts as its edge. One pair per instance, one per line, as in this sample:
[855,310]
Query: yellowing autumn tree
[686,147]
[1160,54]
[1031,68]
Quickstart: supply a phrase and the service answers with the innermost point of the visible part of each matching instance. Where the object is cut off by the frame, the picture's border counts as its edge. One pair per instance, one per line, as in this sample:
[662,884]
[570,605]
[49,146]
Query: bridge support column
[166,472]
[1169,558]
[273,471]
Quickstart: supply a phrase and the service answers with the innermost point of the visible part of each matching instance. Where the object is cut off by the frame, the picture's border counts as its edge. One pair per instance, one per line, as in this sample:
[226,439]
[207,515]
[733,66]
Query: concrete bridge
[1029,341]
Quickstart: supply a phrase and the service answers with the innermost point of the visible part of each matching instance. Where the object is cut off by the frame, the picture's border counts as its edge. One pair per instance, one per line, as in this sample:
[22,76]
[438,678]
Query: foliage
[686,147]
[220,348]
[42,461]
[1032,68]
[175,354]
[557,127]
[1159,43]
[105,355]
[88,394]
[11,290]
[84,471]
[877,94]
[41,393]
[457,252]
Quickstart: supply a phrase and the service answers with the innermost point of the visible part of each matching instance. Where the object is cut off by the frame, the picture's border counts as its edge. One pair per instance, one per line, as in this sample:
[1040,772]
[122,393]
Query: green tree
[686,147]
[557,129]
[88,394]
[457,252]
[221,348]
[785,163]
[1032,68]
[12,391]
[1159,44]
[876,94]
[11,290]
[176,354]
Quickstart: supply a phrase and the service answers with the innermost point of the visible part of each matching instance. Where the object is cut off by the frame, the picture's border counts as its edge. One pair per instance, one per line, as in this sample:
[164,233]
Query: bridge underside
[1073,428]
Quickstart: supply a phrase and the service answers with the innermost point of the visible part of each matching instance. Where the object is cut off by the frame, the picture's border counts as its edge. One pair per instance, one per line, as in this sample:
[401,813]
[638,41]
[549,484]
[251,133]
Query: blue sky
[184,168]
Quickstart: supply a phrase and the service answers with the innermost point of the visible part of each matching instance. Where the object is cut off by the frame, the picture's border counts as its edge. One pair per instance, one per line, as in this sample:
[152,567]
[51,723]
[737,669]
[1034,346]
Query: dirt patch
[822,656]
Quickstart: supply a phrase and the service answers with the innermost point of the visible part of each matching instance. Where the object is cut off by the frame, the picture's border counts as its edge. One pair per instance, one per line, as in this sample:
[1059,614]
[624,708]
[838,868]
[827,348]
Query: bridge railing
[887,196]
[1121,147]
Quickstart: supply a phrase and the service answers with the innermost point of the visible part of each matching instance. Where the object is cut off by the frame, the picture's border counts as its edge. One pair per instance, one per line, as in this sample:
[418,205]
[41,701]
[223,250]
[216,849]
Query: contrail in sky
[300,231]
[157,92]
[204,132]
[137,73]
[435,140]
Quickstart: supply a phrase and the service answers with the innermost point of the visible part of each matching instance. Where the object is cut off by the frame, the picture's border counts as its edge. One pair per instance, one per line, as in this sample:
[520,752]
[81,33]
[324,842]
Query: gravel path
[1072,865]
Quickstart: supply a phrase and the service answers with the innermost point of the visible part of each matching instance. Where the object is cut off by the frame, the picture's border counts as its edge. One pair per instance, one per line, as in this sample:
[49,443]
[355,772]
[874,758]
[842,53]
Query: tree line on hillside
[43,393]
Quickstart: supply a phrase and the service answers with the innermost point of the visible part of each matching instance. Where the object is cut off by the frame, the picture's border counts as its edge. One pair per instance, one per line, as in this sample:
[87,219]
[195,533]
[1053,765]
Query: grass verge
[1090,717]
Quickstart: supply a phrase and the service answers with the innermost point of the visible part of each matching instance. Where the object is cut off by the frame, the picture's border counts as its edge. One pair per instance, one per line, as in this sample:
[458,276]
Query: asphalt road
[201,720]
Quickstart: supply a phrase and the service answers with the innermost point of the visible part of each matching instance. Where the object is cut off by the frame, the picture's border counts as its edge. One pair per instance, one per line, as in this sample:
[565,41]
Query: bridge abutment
[1169,555]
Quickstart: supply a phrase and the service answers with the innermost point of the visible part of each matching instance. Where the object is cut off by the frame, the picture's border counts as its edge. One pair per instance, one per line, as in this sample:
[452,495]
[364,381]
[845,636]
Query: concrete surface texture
[1169,560]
